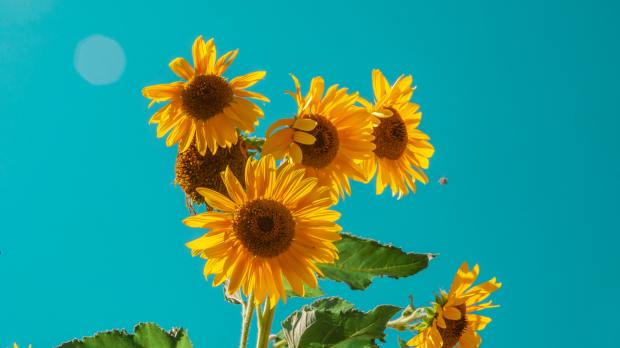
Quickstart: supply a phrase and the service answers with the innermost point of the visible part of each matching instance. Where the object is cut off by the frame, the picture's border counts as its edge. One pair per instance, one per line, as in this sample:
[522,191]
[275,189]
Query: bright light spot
[99,59]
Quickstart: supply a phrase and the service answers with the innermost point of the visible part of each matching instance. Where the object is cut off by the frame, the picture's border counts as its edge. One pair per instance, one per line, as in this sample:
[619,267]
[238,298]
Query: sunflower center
[206,96]
[454,329]
[391,137]
[265,227]
[325,148]
[195,170]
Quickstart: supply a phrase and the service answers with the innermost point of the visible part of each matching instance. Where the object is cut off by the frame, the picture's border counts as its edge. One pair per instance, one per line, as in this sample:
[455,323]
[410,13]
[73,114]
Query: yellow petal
[277,124]
[163,92]
[384,113]
[181,67]
[233,186]
[210,56]
[304,138]
[216,199]
[278,143]
[452,313]
[380,85]
[295,153]
[199,52]
[304,124]
[247,80]
[249,94]
[224,62]
[205,219]
[477,322]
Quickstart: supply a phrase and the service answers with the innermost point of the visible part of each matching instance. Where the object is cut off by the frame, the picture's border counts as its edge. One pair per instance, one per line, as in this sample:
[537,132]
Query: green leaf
[334,322]
[308,291]
[362,259]
[146,335]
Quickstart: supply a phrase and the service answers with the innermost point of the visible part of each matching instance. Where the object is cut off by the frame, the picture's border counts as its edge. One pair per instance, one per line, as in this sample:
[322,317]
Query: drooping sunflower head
[451,319]
[327,137]
[401,151]
[275,228]
[194,170]
[205,108]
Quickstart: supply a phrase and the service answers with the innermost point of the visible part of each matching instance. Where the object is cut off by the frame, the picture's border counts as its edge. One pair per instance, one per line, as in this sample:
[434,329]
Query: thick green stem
[265,325]
[248,311]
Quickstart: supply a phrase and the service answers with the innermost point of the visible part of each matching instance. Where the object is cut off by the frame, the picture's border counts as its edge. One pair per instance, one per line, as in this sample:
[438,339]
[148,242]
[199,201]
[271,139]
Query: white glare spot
[99,59]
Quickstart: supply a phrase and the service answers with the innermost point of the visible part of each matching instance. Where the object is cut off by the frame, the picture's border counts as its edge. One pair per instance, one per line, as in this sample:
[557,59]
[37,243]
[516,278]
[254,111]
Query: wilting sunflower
[402,150]
[450,321]
[194,170]
[206,108]
[326,137]
[276,228]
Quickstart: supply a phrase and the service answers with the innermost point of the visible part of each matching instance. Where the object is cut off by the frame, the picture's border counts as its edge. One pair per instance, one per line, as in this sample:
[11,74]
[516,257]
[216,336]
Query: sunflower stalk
[264,328]
[247,313]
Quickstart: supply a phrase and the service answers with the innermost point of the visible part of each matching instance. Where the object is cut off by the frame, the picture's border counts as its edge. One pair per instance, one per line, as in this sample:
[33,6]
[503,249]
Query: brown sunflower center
[325,148]
[454,329]
[391,137]
[195,170]
[206,96]
[265,227]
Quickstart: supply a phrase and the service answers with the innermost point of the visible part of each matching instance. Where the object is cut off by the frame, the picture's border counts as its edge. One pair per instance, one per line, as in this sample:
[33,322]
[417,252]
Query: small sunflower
[16,346]
[194,170]
[206,108]
[450,321]
[276,228]
[402,150]
[326,137]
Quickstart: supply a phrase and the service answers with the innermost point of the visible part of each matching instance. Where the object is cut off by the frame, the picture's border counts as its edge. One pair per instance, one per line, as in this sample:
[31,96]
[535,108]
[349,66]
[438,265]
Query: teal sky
[519,97]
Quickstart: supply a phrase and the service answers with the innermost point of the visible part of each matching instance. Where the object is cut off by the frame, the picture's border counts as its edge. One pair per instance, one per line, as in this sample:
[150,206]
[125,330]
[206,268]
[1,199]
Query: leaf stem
[247,312]
[403,322]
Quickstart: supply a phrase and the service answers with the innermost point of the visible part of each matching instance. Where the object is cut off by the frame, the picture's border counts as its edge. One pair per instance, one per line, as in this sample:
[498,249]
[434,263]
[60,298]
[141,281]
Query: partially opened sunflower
[452,319]
[276,228]
[326,137]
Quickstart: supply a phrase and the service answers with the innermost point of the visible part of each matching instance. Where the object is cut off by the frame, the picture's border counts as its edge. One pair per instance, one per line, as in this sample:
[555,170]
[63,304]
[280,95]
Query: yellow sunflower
[16,346]
[402,150]
[206,107]
[326,137]
[450,321]
[276,228]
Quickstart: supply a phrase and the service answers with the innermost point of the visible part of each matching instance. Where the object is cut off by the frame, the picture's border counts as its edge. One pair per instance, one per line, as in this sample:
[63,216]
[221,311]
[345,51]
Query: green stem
[279,344]
[248,311]
[265,325]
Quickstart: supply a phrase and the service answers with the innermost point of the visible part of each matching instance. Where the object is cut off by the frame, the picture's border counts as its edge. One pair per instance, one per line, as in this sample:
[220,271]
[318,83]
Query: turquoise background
[520,99]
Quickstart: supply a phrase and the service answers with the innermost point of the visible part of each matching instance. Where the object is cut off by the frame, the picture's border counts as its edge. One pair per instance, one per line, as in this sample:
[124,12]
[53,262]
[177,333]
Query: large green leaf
[146,335]
[363,259]
[335,323]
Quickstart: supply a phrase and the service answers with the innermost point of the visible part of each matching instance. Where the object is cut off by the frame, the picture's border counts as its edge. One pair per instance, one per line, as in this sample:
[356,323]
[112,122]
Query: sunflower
[402,150]
[206,108]
[450,320]
[194,170]
[276,228]
[16,346]
[326,137]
